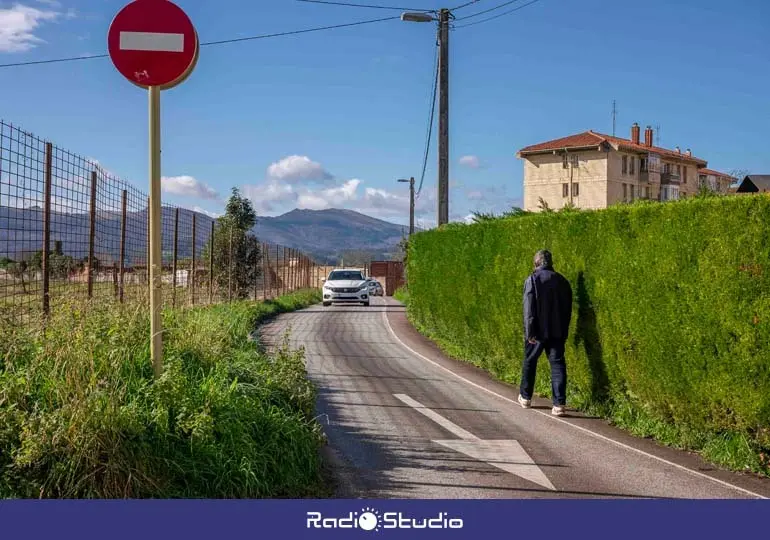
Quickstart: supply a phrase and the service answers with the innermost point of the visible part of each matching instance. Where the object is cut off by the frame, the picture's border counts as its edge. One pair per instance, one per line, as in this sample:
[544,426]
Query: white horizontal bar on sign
[151,41]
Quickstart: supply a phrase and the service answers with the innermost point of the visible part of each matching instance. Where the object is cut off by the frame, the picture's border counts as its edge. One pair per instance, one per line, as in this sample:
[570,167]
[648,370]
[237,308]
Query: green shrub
[402,295]
[671,325]
[82,417]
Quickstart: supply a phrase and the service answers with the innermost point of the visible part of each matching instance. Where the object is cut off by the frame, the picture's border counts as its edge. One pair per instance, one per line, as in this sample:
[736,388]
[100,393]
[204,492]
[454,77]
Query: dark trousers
[555,351]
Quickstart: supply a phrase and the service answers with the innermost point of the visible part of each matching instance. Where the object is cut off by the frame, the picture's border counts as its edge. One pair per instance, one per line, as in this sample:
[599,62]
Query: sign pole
[156,268]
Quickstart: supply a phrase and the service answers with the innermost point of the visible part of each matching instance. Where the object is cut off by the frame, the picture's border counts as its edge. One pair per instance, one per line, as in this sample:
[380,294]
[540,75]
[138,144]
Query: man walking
[547,315]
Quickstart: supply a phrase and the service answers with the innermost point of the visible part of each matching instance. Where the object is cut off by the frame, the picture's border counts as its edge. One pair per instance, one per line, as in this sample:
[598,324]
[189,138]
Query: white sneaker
[525,403]
[558,411]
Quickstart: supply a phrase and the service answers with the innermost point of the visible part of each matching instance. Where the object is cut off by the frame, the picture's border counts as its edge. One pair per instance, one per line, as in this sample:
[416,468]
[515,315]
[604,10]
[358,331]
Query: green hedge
[81,415]
[671,325]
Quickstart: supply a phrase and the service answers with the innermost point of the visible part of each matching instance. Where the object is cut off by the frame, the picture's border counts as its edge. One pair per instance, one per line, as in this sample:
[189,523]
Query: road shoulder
[394,316]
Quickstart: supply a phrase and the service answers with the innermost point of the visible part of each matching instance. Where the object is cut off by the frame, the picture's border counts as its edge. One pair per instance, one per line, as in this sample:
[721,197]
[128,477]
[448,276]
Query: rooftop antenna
[614,117]
[657,136]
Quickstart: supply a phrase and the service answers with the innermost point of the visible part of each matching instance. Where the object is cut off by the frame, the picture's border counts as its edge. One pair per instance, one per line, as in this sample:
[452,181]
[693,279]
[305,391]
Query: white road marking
[507,455]
[575,426]
[440,420]
[151,41]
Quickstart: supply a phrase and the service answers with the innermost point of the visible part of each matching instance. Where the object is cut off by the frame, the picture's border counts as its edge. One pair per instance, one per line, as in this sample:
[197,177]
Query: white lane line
[574,426]
[151,41]
[440,420]
[507,455]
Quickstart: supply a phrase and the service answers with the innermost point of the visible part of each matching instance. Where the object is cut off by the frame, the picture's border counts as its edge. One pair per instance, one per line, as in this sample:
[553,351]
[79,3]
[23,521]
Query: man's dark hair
[543,259]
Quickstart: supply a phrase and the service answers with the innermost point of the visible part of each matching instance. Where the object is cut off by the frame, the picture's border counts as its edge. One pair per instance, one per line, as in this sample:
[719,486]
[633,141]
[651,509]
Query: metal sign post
[154,45]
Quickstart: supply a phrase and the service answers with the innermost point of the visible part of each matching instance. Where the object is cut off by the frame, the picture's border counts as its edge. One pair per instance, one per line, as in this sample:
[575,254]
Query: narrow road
[404,421]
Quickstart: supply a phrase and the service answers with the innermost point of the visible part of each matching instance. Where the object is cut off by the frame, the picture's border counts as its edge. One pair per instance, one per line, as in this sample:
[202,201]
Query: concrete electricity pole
[444,16]
[411,203]
[443,118]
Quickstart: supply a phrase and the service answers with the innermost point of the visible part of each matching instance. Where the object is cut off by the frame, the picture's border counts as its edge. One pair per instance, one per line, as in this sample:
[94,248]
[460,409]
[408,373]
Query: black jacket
[547,305]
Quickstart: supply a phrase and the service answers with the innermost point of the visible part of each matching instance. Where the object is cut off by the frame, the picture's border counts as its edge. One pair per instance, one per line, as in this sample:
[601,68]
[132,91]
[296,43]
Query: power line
[466,4]
[210,43]
[488,10]
[361,5]
[430,122]
[498,15]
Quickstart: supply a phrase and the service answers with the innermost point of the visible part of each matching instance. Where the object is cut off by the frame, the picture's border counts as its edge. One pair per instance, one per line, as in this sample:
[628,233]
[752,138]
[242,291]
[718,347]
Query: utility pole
[443,119]
[411,203]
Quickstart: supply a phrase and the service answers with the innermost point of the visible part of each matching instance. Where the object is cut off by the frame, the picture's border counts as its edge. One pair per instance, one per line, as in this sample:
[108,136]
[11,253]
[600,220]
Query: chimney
[678,151]
[648,136]
[635,133]
[689,153]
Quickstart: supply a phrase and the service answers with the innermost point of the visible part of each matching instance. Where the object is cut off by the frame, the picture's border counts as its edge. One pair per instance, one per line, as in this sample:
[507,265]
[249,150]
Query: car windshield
[343,275]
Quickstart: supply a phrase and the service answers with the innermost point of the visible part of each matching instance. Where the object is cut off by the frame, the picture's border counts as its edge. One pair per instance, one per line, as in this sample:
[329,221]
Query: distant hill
[323,234]
[326,234]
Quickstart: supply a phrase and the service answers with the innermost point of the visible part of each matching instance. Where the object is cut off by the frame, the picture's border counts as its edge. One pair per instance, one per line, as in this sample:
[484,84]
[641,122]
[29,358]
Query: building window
[647,192]
[564,162]
[565,190]
[643,164]
[625,164]
[679,170]
[574,160]
[625,191]
[632,165]
[632,193]
[684,175]
[666,168]
[576,190]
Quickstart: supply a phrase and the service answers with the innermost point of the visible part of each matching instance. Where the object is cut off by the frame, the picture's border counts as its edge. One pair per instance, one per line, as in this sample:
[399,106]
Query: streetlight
[411,203]
[443,115]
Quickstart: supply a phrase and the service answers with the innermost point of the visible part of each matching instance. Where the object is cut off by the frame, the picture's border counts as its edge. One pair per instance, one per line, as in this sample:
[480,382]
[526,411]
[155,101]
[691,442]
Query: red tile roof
[715,173]
[592,138]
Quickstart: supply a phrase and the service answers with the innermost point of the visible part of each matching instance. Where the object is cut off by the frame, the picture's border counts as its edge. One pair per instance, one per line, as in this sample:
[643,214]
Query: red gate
[392,272]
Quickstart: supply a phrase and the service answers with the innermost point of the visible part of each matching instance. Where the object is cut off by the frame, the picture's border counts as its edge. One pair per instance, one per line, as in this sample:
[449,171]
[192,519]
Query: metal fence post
[121,287]
[230,269]
[173,263]
[47,228]
[277,280]
[192,263]
[265,274]
[147,251]
[211,263]
[285,268]
[92,236]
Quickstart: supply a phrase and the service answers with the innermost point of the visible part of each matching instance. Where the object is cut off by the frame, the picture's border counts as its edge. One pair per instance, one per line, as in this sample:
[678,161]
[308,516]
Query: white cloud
[267,196]
[475,195]
[470,161]
[188,186]
[206,212]
[18,25]
[295,169]
[330,197]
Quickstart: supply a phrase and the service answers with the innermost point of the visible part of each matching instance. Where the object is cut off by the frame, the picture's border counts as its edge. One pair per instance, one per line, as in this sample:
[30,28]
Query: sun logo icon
[369,520]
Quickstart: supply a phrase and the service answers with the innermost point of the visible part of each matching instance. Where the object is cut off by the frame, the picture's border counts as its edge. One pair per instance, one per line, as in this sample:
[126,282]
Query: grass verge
[82,417]
[402,295]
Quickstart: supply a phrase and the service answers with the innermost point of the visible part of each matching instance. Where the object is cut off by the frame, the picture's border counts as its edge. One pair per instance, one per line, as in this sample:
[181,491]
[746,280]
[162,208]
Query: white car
[345,285]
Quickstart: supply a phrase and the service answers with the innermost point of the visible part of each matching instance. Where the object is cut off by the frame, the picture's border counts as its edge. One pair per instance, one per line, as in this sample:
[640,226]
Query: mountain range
[324,235]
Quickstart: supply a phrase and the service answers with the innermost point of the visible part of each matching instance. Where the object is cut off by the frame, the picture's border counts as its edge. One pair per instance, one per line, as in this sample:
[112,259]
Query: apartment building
[715,180]
[593,171]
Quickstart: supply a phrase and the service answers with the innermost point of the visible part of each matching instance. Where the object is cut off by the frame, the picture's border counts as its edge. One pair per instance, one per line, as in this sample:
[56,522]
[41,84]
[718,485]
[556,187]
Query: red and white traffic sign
[153,43]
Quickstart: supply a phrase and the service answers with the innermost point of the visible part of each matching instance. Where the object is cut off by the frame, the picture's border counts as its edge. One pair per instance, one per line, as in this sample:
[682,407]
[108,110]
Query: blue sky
[332,119]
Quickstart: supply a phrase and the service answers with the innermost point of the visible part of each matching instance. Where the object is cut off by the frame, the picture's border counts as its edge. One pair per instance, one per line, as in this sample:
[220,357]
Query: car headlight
[364,287]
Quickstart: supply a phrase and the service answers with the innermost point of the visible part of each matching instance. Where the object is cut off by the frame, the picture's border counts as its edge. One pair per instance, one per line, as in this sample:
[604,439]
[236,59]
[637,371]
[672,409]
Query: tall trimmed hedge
[671,324]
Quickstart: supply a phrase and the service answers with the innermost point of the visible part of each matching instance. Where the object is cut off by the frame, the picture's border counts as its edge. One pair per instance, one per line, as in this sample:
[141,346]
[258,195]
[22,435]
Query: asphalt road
[404,421]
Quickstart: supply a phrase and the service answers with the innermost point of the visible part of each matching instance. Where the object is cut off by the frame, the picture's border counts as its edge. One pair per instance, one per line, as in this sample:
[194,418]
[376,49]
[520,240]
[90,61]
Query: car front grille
[344,290]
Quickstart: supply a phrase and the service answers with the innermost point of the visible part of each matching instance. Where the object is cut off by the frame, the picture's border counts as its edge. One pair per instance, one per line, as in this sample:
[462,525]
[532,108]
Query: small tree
[236,251]
[17,271]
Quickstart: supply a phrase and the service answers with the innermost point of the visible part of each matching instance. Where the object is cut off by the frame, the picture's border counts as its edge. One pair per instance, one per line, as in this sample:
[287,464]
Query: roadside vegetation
[82,417]
[671,324]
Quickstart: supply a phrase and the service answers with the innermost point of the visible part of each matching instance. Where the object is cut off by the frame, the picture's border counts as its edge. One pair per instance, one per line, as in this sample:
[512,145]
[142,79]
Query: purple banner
[361,518]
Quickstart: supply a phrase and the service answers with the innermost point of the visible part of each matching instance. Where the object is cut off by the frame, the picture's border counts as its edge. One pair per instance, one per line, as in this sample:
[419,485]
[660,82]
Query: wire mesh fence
[70,229]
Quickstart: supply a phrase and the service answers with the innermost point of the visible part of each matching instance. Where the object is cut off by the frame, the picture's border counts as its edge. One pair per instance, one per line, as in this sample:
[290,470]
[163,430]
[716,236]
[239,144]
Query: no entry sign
[153,43]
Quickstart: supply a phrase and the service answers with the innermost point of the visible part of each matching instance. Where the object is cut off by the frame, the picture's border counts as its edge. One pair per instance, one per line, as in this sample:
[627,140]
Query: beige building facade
[592,171]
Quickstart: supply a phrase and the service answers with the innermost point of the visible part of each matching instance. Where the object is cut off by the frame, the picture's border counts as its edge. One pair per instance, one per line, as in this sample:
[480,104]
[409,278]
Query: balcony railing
[670,178]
